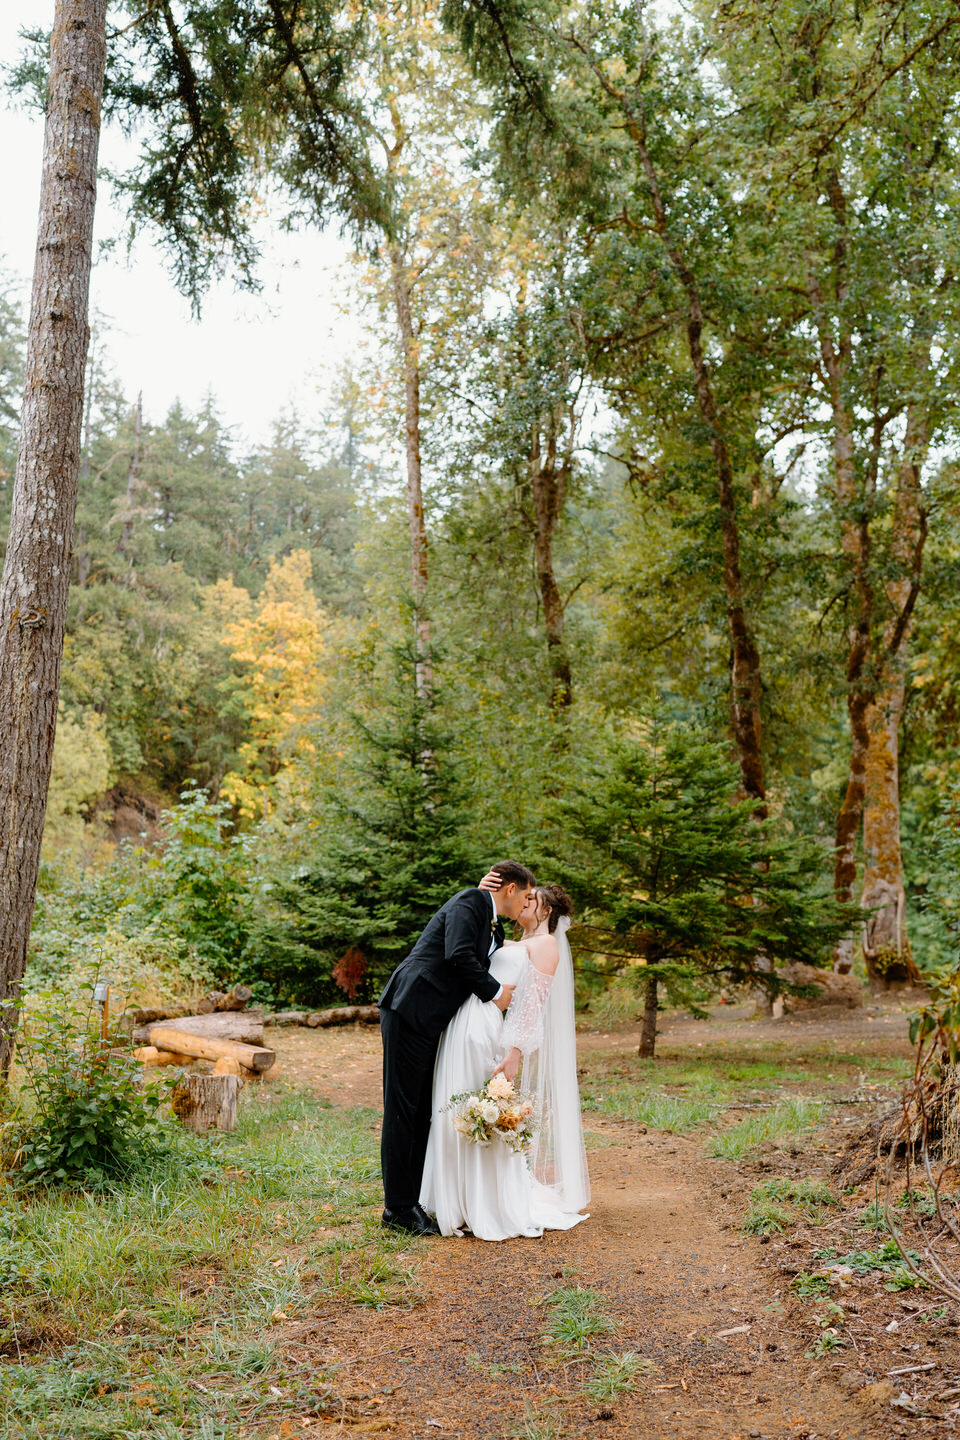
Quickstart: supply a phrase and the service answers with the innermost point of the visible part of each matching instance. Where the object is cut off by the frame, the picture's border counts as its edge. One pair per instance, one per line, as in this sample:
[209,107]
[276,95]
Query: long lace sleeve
[523,1027]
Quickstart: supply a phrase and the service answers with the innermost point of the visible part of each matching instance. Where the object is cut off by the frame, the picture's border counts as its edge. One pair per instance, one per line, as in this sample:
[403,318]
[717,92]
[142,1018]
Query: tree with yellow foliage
[278,642]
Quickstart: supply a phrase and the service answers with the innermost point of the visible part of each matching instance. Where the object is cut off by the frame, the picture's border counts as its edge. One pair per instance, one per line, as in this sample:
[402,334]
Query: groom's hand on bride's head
[505,996]
[490,881]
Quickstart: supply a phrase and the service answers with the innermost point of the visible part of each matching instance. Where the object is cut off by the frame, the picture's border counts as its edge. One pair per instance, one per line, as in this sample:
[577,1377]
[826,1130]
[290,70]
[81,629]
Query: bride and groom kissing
[464,1005]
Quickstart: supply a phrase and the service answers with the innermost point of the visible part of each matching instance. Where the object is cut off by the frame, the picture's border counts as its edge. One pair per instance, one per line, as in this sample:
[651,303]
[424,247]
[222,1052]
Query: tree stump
[207,1102]
[226,1065]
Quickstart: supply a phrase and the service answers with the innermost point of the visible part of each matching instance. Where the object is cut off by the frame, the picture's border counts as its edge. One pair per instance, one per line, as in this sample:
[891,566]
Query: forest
[625,544]
[648,460]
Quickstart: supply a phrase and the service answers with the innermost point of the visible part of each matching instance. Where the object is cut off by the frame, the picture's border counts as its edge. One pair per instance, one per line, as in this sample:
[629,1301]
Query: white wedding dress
[491,1190]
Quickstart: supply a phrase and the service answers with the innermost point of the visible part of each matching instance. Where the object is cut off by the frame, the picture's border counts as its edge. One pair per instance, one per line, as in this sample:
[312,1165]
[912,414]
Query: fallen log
[247,1028]
[286,1017]
[151,1056]
[137,1019]
[206,1102]
[345,1015]
[252,1057]
[235,999]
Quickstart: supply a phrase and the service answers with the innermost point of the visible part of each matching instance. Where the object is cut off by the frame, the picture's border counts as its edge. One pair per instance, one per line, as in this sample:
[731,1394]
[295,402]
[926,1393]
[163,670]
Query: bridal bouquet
[496,1111]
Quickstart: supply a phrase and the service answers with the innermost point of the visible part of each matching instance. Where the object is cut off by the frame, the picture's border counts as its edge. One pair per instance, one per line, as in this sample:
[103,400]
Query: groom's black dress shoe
[415,1221]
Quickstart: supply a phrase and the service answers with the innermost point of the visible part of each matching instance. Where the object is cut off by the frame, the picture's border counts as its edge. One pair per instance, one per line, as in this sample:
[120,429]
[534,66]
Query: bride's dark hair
[558,901]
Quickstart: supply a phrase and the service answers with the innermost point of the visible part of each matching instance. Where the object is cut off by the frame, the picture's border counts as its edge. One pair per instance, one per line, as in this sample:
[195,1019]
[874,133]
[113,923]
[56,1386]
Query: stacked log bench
[224,1032]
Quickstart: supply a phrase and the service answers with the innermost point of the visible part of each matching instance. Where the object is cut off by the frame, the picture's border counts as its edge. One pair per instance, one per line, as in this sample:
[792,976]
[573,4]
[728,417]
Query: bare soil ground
[725,1343]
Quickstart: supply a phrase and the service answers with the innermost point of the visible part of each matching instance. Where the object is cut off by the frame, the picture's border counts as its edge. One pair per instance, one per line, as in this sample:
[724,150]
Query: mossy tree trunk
[549,473]
[886,945]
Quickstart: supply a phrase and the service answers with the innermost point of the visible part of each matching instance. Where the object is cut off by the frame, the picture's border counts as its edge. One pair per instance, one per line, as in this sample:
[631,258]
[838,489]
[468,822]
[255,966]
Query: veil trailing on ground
[558,1158]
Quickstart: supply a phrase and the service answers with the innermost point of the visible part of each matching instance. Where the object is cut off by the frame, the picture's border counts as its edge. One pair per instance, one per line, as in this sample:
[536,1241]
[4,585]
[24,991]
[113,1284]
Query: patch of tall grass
[150,1308]
[647,1106]
[789,1117]
[779,1203]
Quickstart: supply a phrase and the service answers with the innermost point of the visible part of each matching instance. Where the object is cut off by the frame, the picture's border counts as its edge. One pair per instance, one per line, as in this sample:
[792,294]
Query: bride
[491,1190]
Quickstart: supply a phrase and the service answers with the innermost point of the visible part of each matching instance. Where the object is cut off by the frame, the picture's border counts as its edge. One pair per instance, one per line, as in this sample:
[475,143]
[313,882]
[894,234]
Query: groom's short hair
[513,874]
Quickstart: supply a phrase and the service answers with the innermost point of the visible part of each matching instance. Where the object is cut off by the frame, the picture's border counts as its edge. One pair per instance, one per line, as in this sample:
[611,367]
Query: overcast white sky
[257,354]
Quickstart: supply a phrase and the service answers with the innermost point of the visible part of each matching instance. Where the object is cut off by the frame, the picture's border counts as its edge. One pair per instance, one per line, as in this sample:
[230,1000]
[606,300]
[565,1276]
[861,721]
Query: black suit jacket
[450,961]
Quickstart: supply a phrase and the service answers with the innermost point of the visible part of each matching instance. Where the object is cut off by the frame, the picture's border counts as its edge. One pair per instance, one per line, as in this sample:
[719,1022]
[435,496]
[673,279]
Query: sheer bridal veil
[557,1156]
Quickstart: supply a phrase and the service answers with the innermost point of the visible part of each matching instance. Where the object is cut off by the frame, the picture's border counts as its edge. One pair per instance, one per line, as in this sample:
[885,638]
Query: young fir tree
[396,841]
[683,882]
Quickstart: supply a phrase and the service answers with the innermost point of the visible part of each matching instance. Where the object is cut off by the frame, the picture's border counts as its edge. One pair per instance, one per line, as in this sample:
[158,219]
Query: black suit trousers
[408,1060]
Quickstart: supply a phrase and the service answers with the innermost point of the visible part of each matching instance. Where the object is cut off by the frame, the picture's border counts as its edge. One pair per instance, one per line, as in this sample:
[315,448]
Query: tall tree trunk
[648,1030]
[745,676]
[548,480]
[836,355]
[34,585]
[82,553]
[886,944]
[886,949]
[415,516]
[133,482]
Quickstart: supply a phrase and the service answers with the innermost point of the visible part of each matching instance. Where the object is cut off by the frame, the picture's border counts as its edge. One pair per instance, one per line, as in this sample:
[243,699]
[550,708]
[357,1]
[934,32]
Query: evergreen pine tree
[395,842]
[684,883]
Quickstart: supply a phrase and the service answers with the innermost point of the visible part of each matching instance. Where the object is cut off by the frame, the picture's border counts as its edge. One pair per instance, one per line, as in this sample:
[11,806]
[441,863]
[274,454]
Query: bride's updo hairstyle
[557,901]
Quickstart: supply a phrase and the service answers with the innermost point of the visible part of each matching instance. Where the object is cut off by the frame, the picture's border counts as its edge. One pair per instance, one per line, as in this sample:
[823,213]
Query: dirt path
[687,1291]
[674,1280]
[344,1065]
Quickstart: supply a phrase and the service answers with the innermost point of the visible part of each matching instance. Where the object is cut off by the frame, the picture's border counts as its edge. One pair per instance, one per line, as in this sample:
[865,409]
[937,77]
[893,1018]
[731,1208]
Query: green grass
[780,1203]
[682,1093]
[790,1117]
[148,1311]
[871,1217]
[494,1370]
[643,1105]
[576,1317]
[594,1140]
[540,1422]
[615,1375]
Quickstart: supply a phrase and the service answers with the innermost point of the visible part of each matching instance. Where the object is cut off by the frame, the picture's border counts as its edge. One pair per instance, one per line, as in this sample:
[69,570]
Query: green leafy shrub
[87,1118]
[902,1279]
[162,923]
[202,882]
[886,1257]
[777,1204]
[807,1287]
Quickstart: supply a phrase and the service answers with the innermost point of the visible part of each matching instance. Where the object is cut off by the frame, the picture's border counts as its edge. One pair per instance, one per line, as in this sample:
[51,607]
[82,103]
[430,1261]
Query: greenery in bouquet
[495,1112]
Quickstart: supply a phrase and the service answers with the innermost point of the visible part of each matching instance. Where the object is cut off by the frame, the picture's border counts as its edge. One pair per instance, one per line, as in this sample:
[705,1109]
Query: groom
[449,962]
